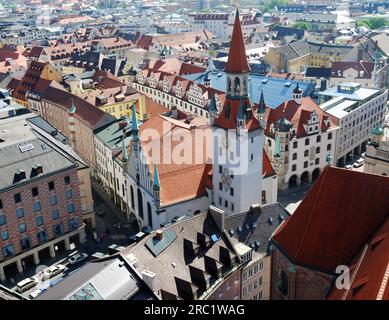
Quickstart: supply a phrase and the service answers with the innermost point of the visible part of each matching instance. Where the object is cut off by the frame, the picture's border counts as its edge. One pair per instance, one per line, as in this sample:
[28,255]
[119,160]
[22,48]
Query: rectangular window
[55,214]
[4,235]
[1,204]
[42,236]
[37,206]
[232,191]
[58,230]
[69,194]
[34,192]
[73,224]
[25,243]
[67,180]
[18,198]
[53,200]
[22,228]
[51,185]
[39,221]
[8,251]
[220,186]
[3,220]
[20,212]
[70,208]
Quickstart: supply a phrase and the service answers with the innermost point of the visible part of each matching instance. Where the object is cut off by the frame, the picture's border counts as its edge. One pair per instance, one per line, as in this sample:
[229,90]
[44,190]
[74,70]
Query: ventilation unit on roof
[288,84]
[265,80]
[26,147]
[270,220]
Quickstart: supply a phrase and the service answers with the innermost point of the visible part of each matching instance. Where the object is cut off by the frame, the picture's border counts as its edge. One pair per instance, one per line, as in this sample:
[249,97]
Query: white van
[26,284]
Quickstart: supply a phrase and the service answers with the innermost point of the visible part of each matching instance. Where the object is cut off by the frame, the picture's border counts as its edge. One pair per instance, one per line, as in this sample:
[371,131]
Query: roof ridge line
[360,260]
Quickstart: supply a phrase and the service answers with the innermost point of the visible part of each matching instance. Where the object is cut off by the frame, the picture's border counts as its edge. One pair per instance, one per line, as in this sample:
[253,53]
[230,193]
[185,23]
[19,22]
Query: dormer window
[36,170]
[20,175]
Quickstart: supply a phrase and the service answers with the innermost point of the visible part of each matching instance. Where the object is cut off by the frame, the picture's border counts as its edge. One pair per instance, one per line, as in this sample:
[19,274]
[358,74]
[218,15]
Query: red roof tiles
[369,271]
[336,218]
[229,120]
[237,60]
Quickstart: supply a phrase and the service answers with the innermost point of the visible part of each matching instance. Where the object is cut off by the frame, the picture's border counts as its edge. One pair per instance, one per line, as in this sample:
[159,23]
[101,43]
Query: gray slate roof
[255,227]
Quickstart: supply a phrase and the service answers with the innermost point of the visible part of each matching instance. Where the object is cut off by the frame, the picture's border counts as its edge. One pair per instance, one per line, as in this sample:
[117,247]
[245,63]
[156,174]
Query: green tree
[373,23]
[302,25]
[275,3]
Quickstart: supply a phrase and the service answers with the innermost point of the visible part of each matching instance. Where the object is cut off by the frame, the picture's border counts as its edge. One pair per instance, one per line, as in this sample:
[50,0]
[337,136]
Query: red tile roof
[267,168]
[237,60]
[336,218]
[298,115]
[92,116]
[230,121]
[29,80]
[369,271]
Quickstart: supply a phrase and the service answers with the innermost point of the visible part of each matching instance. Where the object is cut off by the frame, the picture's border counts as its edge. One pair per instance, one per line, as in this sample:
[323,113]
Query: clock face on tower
[225,179]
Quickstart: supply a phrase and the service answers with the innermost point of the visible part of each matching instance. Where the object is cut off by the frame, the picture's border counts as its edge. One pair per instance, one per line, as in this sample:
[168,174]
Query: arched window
[132,197]
[237,85]
[283,283]
[317,150]
[149,214]
[140,204]
[269,143]
[263,197]
[294,157]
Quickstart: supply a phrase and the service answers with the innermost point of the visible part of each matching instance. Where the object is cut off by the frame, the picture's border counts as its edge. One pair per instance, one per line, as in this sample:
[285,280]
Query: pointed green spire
[156,185]
[212,104]
[124,150]
[134,124]
[240,110]
[251,93]
[277,148]
[262,105]
[72,108]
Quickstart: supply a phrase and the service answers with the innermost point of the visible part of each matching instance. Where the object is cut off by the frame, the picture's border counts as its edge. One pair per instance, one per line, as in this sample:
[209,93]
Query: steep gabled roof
[237,60]
[336,218]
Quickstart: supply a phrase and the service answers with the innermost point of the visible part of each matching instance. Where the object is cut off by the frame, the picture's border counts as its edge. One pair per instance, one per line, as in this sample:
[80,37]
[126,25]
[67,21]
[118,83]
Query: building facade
[357,111]
[40,198]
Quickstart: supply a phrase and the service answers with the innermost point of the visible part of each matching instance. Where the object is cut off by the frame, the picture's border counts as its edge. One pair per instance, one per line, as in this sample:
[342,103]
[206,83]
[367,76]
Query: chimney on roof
[218,216]
[149,278]
[159,234]
[122,125]
[255,209]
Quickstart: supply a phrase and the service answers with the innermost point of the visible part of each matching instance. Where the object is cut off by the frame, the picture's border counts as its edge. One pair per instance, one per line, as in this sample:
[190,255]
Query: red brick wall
[30,215]
[303,284]
[59,118]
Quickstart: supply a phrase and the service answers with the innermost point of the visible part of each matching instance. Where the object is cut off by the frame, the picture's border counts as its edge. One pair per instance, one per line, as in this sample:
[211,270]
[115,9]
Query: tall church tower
[237,137]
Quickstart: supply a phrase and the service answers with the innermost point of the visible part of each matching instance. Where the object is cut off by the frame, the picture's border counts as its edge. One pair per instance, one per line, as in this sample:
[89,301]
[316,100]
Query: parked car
[26,284]
[36,293]
[53,271]
[358,163]
[348,167]
[77,258]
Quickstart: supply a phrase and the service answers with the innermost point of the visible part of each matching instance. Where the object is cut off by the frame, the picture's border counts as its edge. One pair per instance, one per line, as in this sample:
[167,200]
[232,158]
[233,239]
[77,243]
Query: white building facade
[357,110]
